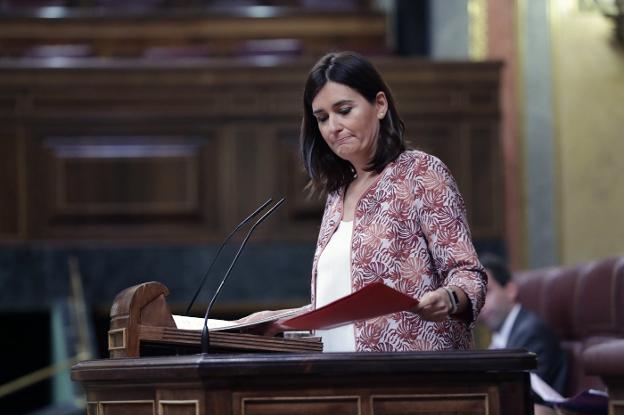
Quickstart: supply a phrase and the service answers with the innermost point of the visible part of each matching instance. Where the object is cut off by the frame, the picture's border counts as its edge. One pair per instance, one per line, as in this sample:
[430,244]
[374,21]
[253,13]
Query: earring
[353,172]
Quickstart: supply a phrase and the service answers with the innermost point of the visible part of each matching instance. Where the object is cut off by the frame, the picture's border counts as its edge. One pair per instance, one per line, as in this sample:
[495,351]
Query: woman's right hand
[434,306]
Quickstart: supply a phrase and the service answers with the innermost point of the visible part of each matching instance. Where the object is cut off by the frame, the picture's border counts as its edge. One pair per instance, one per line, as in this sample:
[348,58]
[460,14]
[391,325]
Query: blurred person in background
[515,327]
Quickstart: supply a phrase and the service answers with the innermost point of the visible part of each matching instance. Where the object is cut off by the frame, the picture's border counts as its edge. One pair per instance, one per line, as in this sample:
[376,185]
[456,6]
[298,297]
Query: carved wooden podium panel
[493,382]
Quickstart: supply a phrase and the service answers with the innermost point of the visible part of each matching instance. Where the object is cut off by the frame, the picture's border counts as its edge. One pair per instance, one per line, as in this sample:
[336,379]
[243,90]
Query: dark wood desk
[471,382]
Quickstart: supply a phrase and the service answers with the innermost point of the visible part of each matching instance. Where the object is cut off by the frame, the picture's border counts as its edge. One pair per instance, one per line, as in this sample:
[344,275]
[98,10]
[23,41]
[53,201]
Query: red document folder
[371,301]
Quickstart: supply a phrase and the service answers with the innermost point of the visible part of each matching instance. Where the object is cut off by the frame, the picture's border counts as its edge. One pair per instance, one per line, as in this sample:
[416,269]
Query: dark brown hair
[326,170]
[497,267]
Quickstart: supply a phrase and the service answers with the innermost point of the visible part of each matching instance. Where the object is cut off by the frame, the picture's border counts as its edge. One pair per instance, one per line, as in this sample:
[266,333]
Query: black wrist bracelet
[454,300]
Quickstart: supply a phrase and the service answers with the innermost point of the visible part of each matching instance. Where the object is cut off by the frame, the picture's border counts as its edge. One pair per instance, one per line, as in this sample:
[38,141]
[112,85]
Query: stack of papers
[371,301]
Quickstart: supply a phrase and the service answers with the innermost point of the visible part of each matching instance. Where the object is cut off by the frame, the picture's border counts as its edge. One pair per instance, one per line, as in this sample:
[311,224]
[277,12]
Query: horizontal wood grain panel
[425,404]
[178,407]
[126,408]
[127,186]
[125,175]
[293,405]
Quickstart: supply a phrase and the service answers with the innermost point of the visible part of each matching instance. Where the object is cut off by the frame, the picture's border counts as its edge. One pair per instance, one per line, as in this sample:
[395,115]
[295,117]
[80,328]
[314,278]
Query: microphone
[240,225]
[205,336]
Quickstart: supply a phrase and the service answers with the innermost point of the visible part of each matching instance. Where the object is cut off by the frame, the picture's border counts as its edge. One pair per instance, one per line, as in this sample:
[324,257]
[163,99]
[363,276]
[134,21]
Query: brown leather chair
[584,304]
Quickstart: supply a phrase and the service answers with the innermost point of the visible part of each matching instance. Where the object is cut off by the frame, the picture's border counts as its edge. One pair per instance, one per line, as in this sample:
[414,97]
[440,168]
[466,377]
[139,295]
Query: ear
[381,105]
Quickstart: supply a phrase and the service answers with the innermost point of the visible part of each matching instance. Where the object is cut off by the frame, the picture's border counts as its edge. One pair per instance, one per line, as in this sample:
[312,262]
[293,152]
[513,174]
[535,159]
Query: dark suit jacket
[531,333]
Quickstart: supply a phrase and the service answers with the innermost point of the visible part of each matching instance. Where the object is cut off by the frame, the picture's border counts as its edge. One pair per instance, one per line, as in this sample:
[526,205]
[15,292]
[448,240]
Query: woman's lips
[343,139]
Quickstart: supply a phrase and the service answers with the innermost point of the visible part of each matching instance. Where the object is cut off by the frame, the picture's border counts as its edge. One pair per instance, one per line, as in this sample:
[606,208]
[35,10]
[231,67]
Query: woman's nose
[334,124]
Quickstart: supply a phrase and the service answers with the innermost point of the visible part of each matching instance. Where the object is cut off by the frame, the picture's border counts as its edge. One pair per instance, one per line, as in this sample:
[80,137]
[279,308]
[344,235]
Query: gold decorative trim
[124,341]
[162,402]
[477,29]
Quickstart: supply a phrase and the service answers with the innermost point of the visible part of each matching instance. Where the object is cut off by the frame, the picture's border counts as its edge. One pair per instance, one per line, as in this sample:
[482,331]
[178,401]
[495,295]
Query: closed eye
[344,110]
[321,118]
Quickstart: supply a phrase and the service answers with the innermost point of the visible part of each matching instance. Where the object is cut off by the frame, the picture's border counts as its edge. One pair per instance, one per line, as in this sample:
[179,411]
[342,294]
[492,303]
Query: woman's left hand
[434,306]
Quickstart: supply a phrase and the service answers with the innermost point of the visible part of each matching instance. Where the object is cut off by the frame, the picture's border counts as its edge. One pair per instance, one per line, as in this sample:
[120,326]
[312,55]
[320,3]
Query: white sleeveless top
[333,280]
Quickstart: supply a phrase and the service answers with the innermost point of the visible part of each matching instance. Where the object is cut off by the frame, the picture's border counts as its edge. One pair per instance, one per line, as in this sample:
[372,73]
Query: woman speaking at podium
[391,215]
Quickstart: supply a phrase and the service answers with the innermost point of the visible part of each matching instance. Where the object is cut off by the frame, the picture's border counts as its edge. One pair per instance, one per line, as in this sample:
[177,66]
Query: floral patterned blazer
[410,232]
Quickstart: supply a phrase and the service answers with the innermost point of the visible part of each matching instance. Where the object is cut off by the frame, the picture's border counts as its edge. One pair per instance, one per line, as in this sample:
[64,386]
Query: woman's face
[348,122]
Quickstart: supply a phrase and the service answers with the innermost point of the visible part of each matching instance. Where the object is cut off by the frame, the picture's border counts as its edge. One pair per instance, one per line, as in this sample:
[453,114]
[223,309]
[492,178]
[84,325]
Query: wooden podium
[493,382]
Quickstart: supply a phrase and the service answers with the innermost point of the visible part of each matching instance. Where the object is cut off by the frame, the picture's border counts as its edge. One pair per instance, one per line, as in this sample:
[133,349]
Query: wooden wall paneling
[209,177]
[11,184]
[99,183]
[441,139]
[268,166]
[126,99]
[227,190]
[111,33]
[249,116]
[130,177]
[486,181]
[303,212]
[465,168]
[254,147]
[39,184]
